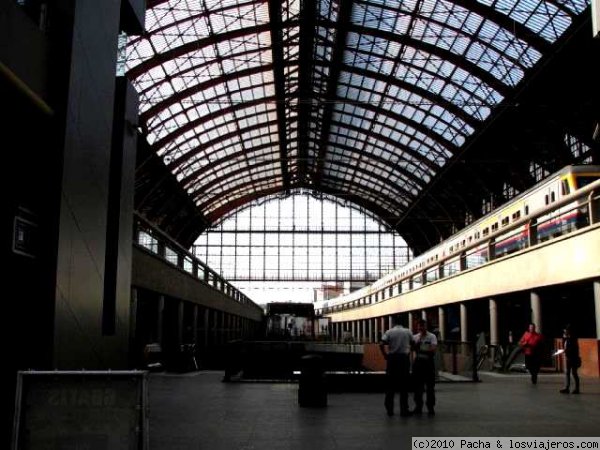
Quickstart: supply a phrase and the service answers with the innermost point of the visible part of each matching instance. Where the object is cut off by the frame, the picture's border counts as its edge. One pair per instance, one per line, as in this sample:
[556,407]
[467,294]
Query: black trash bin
[312,390]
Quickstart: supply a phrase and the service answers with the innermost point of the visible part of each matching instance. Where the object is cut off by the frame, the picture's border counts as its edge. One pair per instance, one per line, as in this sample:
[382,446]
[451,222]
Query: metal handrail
[592,191]
[163,239]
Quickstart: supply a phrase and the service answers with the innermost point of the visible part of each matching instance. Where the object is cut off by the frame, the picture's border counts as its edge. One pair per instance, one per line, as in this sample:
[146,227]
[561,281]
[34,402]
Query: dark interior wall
[30,193]
[88,110]
[25,38]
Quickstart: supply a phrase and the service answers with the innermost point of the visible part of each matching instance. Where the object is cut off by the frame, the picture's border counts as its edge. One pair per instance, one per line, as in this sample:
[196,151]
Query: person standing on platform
[395,347]
[573,360]
[531,343]
[423,370]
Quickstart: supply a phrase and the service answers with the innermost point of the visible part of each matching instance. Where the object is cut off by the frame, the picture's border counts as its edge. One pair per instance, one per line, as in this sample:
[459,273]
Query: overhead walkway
[181,305]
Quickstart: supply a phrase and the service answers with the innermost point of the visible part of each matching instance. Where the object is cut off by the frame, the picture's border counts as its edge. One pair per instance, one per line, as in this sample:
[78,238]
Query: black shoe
[576,391]
[418,411]
[390,412]
[431,412]
[564,391]
[406,414]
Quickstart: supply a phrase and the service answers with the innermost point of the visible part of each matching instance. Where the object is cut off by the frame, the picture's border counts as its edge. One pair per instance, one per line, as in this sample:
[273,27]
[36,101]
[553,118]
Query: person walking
[531,342]
[423,369]
[395,347]
[573,360]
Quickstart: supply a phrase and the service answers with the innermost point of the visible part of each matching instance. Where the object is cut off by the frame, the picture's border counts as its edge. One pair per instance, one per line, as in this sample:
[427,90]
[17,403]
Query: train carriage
[422,269]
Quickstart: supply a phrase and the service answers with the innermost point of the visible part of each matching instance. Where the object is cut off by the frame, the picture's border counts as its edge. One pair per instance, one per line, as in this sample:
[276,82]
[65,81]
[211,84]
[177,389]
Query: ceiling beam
[275,12]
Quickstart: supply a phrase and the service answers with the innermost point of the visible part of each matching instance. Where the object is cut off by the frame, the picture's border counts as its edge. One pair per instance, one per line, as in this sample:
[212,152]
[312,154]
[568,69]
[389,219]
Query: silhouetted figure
[572,358]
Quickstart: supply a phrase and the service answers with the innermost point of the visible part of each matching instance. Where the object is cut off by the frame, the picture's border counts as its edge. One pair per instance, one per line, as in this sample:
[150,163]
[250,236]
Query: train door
[546,224]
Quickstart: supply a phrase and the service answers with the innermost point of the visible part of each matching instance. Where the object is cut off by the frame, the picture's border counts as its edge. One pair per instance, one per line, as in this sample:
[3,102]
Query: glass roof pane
[413,81]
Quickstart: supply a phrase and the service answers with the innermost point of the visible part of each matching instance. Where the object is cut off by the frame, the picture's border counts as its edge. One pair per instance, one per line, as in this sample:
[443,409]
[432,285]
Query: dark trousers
[424,379]
[533,363]
[396,380]
[571,369]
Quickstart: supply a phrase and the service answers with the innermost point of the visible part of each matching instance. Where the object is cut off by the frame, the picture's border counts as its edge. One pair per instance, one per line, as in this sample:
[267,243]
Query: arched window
[311,242]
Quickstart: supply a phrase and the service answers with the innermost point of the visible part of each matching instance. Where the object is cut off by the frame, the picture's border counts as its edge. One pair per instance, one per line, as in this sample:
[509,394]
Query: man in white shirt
[395,346]
[425,345]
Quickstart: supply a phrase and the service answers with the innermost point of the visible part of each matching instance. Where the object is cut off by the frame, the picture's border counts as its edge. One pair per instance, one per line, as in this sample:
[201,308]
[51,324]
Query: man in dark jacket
[573,360]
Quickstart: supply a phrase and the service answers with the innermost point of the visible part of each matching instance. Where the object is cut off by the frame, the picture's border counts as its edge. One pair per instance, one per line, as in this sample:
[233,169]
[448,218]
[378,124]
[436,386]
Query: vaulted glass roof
[367,98]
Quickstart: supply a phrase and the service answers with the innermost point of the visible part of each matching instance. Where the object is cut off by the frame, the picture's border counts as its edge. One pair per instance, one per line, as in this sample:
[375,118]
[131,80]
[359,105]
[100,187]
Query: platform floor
[198,411]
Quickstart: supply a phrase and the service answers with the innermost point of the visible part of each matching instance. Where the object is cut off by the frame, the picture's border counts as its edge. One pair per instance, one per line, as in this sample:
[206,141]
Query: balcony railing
[152,240]
[553,221]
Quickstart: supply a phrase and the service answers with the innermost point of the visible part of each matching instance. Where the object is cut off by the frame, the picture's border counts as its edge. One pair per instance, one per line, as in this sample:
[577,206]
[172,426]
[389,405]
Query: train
[484,240]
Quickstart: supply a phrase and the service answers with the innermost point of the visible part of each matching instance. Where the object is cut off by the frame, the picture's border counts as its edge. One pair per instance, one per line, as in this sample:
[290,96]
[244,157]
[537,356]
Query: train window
[495,226]
[564,187]
[583,181]
[477,235]
[546,199]
[517,215]
[552,197]
[526,209]
[486,231]
[505,221]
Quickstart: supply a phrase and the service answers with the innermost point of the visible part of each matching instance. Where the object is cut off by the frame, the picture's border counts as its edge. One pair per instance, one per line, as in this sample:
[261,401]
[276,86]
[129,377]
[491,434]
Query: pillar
[493,322]
[597,306]
[463,323]
[159,322]
[442,322]
[180,309]
[206,326]
[536,310]
[195,325]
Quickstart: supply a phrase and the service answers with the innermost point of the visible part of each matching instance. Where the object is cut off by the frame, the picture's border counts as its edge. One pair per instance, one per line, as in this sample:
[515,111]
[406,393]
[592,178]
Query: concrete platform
[198,411]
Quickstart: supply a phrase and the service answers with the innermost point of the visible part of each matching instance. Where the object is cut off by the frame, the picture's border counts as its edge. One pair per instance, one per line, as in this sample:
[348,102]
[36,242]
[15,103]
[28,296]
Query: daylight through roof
[363,99]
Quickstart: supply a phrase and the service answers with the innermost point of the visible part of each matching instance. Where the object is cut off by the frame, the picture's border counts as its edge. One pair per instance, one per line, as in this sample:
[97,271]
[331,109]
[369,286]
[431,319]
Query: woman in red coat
[531,342]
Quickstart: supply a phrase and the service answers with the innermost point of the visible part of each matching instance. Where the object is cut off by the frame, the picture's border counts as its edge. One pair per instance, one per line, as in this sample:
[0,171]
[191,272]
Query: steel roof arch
[214,150]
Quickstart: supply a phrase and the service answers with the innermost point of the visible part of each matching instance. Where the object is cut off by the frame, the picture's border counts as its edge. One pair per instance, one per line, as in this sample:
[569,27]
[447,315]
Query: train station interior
[211,190]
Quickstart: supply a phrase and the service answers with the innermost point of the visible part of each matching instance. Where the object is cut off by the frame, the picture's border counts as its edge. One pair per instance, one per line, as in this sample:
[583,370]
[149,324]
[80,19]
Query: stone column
[536,310]
[463,323]
[442,322]
[493,322]
[159,324]
[597,306]
[180,309]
